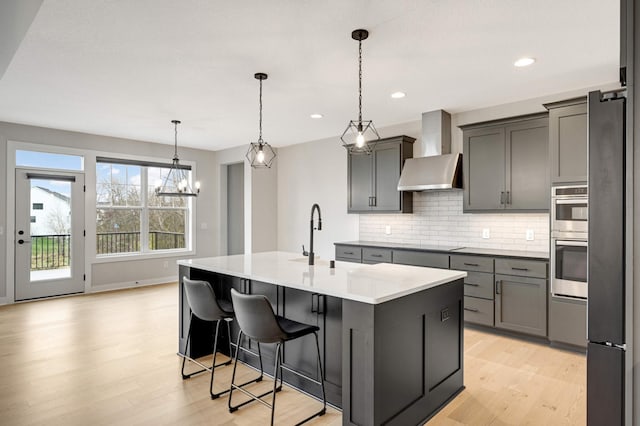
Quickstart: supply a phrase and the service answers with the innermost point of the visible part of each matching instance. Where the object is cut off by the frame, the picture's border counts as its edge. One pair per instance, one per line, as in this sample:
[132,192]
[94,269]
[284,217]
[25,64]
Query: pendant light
[260,154]
[176,183]
[360,136]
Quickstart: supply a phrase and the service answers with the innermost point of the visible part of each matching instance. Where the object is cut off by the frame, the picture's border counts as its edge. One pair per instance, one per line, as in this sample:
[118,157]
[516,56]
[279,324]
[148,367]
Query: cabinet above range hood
[437,168]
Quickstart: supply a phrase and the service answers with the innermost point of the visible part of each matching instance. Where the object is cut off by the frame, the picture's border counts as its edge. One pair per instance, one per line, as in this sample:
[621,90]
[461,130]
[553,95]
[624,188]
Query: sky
[50,161]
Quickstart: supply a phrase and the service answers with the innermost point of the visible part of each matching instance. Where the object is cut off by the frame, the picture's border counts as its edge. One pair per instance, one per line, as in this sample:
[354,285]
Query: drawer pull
[376,255]
[519,269]
[348,252]
[472,284]
[470,264]
[471,310]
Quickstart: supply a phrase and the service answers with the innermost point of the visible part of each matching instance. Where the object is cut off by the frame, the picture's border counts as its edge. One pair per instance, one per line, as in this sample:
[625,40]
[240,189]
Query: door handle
[23,241]
[502,198]
[498,286]
[314,310]
[375,203]
[508,197]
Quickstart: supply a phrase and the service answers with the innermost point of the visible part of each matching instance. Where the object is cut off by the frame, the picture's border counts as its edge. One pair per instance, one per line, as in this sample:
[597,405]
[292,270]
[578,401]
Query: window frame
[144,207]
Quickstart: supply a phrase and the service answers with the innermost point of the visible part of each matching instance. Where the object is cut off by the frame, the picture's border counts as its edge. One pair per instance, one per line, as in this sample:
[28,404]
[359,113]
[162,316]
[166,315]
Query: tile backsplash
[437,219]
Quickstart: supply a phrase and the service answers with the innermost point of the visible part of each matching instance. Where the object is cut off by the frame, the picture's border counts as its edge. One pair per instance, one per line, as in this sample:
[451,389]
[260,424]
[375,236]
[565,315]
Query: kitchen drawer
[479,284]
[421,258]
[519,267]
[472,263]
[374,255]
[349,252]
[479,311]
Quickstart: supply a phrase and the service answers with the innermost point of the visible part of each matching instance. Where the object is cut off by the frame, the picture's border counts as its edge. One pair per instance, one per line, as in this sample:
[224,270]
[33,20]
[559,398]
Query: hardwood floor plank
[110,359]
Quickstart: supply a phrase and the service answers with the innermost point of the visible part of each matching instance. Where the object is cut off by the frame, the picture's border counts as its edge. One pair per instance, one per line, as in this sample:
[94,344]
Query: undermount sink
[306,260]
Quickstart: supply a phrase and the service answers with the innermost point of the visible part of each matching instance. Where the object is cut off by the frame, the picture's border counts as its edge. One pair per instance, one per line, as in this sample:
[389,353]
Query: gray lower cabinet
[568,140]
[506,165]
[478,287]
[372,256]
[348,254]
[421,258]
[568,321]
[373,179]
[501,292]
[300,354]
[521,304]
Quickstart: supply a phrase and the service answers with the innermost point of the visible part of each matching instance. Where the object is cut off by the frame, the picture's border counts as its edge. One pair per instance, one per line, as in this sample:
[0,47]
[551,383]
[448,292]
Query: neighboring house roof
[55,194]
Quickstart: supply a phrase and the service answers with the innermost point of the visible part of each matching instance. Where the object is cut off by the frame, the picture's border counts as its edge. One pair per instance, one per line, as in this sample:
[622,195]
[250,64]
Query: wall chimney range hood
[437,168]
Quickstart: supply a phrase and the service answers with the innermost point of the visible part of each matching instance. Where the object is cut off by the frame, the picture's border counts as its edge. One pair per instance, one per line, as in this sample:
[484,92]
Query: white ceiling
[127,68]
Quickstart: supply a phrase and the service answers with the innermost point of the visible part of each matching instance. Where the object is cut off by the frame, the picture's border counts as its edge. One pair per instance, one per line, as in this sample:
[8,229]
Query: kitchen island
[390,335]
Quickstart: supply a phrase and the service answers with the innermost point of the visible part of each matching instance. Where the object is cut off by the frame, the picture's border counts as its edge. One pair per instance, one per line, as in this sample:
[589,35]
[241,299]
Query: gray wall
[235,208]
[130,271]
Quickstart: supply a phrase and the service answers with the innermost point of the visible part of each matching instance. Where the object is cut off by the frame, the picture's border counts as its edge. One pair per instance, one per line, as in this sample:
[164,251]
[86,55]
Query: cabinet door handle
[508,197]
[519,269]
[313,303]
[498,286]
[470,264]
[374,201]
[376,255]
[472,310]
[321,303]
[472,284]
[502,198]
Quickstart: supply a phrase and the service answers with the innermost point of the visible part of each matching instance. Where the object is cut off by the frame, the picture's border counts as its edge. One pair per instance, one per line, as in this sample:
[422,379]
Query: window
[49,160]
[33,219]
[38,206]
[130,217]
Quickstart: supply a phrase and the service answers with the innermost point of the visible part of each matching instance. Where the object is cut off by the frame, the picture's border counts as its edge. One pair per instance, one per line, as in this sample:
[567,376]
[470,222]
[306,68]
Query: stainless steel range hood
[437,168]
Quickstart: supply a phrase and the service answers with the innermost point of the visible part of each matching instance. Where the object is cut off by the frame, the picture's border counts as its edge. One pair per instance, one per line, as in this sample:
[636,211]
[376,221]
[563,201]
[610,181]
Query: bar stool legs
[213,363]
[278,367]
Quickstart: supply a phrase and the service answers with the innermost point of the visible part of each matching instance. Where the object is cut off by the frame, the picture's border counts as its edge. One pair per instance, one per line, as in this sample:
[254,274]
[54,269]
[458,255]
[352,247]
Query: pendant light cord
[360,82]
[260,121]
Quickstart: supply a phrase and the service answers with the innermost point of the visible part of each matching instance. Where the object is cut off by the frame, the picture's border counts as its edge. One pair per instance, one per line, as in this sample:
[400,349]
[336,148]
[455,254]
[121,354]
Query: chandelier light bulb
[360,140]
[198,186]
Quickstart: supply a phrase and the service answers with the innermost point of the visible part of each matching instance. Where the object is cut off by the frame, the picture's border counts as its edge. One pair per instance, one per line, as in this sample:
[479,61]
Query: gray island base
[391,336]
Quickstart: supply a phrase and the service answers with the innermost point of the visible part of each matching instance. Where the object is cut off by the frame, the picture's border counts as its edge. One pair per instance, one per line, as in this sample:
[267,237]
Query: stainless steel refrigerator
[606,254]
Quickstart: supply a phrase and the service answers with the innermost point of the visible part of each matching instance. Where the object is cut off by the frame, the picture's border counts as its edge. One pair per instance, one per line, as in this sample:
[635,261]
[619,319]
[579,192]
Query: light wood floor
[109,358]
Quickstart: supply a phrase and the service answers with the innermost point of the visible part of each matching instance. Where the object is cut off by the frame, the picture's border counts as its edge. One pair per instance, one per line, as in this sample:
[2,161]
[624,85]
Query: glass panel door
[49,240]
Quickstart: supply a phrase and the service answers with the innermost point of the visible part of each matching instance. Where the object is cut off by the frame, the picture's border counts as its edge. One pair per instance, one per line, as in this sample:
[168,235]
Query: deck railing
[126,242]
[49,251]
[52,251]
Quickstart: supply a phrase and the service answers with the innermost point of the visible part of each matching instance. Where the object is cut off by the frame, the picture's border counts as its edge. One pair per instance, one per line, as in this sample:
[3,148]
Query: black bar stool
[205,305]
[258,322]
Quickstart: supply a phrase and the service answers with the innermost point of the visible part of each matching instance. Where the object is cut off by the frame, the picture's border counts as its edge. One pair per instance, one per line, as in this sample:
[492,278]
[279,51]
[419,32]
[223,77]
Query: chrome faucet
[311,228]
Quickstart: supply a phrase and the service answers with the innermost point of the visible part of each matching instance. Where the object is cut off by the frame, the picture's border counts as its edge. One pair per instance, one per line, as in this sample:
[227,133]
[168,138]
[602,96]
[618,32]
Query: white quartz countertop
[353,281]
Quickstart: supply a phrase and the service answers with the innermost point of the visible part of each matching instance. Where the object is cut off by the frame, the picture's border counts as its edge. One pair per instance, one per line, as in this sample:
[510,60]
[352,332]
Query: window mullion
[144,219]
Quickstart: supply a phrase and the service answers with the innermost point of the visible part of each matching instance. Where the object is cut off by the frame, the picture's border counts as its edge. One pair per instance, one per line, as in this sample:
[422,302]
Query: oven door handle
[571,243]
[572,201]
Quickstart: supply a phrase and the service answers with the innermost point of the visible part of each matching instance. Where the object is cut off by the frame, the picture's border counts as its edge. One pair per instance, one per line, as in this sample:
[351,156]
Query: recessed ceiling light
[398,95]
[316,116]
[523,62]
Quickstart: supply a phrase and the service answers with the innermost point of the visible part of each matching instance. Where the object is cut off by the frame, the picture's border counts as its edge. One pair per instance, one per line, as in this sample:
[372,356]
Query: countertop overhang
[371,284]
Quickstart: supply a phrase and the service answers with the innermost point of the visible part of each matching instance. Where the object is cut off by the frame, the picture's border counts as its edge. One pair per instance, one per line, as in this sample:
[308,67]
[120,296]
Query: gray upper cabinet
[568,140]
[506,165]
[483,170]
[373,179]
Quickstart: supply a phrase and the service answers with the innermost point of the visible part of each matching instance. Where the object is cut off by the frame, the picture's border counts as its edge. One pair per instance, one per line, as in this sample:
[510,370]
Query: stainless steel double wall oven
[569,219]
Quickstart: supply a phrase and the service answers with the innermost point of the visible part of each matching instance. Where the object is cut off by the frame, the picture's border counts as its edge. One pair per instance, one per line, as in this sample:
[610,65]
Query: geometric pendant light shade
[360,136]
[260,154]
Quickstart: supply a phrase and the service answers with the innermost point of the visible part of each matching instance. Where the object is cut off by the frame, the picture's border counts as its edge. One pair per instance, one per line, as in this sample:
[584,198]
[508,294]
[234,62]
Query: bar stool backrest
[202,300]
[256,318]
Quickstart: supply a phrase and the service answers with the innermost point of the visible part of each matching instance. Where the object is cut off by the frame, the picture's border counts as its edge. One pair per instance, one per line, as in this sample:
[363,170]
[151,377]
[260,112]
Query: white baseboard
[134,284]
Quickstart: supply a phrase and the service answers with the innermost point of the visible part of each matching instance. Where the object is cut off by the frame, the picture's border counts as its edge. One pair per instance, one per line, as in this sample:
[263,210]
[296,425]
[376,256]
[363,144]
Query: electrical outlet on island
[529,236]
[486,233]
